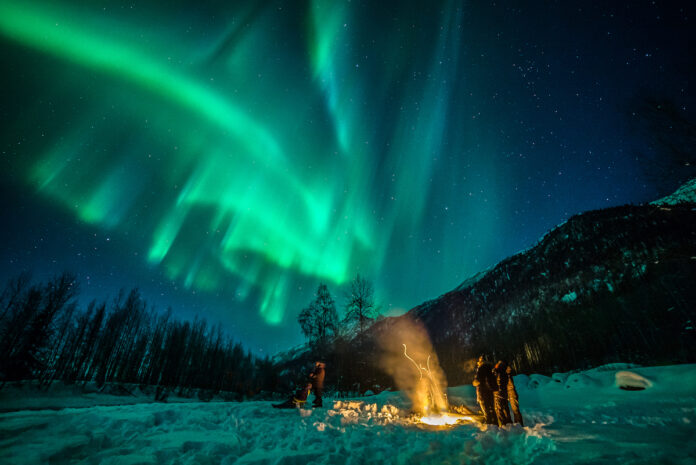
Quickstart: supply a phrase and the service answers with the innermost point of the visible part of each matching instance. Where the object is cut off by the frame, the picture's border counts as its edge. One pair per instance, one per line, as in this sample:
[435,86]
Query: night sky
[227,157]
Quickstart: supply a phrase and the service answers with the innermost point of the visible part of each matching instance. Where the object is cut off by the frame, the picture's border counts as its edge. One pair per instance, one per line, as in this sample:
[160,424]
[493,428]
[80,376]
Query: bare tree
[360,304]
[11,294]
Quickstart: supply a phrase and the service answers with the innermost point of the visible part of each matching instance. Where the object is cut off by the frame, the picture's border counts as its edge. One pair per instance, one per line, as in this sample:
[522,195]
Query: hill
[608,285]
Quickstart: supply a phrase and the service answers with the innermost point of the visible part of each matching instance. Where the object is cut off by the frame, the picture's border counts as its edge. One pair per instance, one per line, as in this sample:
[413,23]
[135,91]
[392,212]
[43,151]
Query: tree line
[45,335]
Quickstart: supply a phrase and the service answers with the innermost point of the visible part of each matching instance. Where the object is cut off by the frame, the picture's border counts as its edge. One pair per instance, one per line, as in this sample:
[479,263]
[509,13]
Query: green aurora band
[235,176]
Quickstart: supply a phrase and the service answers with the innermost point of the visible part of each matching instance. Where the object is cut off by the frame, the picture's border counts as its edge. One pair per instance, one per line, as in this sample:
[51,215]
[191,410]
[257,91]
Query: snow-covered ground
[577,418]
[27,395]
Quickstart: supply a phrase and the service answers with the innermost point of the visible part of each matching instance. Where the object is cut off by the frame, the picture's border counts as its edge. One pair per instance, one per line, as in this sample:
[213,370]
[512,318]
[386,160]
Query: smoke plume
[408,356]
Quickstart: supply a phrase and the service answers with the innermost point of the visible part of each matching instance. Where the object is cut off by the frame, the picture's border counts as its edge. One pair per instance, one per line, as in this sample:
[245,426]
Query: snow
[630,380]
[291,354]
[580,417]
[28,396]
[473,279]
[685,194]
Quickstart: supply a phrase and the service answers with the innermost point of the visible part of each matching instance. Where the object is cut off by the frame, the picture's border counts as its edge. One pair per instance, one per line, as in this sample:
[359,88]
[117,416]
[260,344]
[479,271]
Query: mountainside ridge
[606,285]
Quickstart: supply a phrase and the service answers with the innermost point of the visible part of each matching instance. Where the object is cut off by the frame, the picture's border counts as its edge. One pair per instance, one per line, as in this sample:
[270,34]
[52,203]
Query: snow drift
[573,418]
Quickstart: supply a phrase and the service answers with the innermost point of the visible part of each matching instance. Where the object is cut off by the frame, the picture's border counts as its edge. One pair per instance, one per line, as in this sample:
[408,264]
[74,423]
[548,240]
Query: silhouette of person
[486,385]
[316,377]
[513,398]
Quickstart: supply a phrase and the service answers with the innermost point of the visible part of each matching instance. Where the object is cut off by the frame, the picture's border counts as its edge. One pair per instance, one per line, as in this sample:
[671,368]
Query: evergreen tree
[319,321]
[25,351]
[44,335]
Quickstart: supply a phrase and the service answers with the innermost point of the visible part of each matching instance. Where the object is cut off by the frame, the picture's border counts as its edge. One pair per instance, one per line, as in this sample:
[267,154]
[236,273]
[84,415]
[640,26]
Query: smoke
[408,356]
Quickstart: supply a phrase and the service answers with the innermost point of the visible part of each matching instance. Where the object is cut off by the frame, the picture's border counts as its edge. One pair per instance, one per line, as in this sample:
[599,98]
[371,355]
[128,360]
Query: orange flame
[424,386]
[430,391]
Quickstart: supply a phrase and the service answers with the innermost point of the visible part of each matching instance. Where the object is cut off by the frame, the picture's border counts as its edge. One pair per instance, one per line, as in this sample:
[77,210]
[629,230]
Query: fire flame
[430,392]
[435,400]
[417,373]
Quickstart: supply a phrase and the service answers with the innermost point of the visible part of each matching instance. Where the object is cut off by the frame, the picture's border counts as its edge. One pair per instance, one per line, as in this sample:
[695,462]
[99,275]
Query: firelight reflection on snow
[244,195]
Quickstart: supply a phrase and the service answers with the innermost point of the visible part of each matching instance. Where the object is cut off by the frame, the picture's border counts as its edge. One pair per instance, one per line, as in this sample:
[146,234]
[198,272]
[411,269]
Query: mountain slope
[609,285]
[606,285]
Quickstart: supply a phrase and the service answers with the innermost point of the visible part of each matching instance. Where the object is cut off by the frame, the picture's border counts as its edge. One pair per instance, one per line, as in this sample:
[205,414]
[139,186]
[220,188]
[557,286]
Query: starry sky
[227,157]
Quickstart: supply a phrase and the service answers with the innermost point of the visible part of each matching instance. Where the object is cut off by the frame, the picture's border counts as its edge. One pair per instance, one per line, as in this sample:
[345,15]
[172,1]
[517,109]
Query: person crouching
[298,399]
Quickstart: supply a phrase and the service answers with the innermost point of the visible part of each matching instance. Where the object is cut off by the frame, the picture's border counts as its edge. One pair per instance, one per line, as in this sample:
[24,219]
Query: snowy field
[577,418]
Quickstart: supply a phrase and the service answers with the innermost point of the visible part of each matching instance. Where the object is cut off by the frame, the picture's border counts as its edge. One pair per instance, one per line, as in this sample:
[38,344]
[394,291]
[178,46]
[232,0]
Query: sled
[294,403]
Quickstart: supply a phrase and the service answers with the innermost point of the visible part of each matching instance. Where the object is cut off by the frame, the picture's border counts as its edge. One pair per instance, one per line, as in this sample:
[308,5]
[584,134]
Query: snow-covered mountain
[685,194]
[607,285]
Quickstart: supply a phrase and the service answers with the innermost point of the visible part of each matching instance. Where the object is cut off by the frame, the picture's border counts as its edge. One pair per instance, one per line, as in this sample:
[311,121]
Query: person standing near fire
[501,394]
[485,384]
[316,377]
[513,398]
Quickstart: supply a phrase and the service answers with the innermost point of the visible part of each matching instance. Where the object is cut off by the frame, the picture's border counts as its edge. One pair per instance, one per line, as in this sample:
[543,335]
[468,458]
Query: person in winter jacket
[513,398]
[501,395]
[485,384]
[298,399]
[316,378]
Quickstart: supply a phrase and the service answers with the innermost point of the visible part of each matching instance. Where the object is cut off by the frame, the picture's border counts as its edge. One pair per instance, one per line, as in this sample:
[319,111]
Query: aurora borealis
[226,157]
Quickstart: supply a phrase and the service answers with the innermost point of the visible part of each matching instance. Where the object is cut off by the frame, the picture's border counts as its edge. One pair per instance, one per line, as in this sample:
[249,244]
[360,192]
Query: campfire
[435,408]
[418,375]
[445,419]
